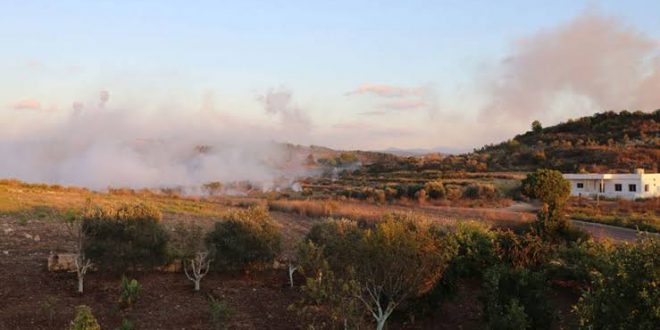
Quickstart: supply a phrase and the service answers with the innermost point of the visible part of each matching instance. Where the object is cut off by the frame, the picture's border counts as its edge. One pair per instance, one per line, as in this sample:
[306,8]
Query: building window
[580,185]
[632,187]
[617,187]
[646,188]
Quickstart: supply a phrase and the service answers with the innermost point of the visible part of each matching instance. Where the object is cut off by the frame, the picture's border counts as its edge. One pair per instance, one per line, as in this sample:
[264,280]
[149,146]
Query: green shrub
[527,250]
[550,187]
[480,191]
[511,317]
[220,312]
[510,293]
[84,320]
[130,292]
[579,261]
[386,264]
[625,295]
[244,238]
[338,238]
[128,237]
[188,239]
[126,324]
[435,189]
[476,249]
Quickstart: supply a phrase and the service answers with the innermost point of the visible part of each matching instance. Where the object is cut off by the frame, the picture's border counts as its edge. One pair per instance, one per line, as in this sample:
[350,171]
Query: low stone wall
[62,262]
[66,262]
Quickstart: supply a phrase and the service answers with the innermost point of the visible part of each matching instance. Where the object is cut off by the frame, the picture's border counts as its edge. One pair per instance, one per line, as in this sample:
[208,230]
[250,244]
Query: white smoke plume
[279,102]
[101,147]
[593,62]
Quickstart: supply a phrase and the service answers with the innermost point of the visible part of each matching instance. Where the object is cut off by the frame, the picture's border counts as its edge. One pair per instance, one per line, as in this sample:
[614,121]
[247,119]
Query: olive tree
[244,238]
[550,187]
[128,237]
[398,260]
[381,266]
[74,225]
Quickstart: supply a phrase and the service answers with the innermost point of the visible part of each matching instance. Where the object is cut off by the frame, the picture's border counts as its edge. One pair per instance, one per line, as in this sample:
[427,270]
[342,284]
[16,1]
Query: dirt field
[33,298]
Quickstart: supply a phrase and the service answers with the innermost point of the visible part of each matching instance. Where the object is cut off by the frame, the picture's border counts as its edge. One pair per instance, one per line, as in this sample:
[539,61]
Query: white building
[629,186]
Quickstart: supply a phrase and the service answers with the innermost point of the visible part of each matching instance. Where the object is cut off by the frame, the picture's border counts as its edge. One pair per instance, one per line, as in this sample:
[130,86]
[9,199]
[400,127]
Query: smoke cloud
[100,147]
[593,62]
[279,102]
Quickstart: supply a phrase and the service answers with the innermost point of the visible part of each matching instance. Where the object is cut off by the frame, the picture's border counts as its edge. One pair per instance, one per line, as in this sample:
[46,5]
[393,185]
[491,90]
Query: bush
[476,249]
[126,324]
[522,250]
[435,189]
[397,259]
[84,319]
[475,252]
[625,295]
[338,238]
[480,191]
[128,237]
[550,187]
[220,313]
[516,297]
[579,261]
[244,238]
[187,241]
[130,292]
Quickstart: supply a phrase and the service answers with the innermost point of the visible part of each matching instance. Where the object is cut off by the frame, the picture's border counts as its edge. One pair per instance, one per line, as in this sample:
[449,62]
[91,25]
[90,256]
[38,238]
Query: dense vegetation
[603,142]
[402,267]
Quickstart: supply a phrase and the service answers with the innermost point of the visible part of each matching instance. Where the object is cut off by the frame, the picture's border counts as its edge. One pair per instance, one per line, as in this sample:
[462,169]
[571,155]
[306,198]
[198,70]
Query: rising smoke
[98,147]
[592,63]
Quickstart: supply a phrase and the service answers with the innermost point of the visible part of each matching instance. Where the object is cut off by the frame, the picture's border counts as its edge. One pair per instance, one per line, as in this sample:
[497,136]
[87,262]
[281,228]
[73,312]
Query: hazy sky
[347,74]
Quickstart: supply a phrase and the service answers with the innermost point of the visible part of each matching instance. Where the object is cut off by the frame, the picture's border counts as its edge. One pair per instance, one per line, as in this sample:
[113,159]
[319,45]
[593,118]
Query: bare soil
[33,298]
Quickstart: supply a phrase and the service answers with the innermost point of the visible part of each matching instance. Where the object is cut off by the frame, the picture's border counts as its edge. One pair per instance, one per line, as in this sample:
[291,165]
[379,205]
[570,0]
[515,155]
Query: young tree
[324,290]
[189,245]
[550,187]
[399,259]
[199,266]
[75,228]
[380,268]
[536,126]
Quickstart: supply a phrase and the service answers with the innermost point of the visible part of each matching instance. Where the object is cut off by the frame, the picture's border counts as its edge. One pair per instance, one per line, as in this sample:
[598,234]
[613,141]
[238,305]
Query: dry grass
[362,211]
[327,208]
[45,202]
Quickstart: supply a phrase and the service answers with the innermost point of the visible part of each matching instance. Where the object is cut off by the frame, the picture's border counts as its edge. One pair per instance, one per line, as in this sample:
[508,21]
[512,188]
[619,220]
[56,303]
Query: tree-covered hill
[603,142]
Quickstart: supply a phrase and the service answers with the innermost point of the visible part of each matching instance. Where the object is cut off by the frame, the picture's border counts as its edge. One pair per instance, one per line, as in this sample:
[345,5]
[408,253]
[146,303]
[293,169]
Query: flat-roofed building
[628,185]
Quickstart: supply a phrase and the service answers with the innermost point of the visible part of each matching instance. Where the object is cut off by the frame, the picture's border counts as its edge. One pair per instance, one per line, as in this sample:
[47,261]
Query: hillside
[603,142]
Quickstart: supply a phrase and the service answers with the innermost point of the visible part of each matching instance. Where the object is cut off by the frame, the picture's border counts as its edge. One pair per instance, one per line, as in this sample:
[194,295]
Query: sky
[343,74]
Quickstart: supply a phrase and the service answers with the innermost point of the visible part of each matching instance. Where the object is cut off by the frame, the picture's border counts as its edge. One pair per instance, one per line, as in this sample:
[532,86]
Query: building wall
[653,181]
[591,186]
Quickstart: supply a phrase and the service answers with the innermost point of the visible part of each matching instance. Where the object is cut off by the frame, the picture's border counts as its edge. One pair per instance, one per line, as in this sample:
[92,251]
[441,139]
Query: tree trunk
[80,284]
[380,323]
[291,271]
[197,284]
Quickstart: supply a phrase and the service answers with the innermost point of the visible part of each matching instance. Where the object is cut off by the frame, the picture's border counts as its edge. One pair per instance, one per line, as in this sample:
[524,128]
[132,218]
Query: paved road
[599,230]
